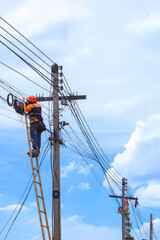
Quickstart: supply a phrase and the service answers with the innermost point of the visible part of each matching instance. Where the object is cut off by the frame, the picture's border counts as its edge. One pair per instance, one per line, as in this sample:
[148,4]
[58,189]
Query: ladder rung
[37,183]
[40,197]
[42,211]
[35,169]
[44,226]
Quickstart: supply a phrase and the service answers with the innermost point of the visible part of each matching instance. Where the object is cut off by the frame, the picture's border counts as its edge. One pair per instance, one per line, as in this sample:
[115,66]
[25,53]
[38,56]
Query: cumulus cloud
[119,107]
[36,237]
[72,166]
[139,162]
[148,25]
[85,170]
[68,169]
[12,207]
[149,194]
[74,228]
[55,12]
[33,204]
[146,226]
[70,189]
[84,186]
[31,221]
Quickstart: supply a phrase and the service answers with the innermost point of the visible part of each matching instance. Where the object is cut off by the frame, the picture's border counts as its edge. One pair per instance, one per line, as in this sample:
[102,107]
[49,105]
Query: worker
[36,123]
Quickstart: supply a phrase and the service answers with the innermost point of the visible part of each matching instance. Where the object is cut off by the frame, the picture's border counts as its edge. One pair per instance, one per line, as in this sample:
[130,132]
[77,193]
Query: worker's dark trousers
[35,135]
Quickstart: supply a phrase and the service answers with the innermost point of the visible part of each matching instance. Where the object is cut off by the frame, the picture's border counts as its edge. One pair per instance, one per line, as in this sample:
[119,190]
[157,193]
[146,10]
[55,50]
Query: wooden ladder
[38,186]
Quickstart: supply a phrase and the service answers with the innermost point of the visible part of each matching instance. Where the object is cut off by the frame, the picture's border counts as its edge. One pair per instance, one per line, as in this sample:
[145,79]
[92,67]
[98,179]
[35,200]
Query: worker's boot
[35,153]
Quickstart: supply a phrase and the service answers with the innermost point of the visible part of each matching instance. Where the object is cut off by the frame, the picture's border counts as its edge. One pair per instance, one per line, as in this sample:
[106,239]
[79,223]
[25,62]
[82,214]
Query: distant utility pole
[123,208]
[123,197]
[151,227]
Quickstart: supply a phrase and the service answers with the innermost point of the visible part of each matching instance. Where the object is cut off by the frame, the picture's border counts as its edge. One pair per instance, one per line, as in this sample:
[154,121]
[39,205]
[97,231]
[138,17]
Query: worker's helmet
[31,98]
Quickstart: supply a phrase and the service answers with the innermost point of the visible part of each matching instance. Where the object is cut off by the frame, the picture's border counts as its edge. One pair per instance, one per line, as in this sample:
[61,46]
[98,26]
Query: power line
[25,46]
[27,40]
[10,117]
[26,196]
[23,76]
[29,64]
[25,54]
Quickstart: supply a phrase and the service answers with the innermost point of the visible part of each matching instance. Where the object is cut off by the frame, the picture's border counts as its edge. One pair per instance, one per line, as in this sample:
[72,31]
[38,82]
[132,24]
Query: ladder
[38,186]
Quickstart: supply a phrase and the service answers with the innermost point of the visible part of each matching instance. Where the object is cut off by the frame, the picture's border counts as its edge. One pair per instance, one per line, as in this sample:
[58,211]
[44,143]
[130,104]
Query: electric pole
[151,227]
[56,157]
[123,208]
[123,197]
[56,219]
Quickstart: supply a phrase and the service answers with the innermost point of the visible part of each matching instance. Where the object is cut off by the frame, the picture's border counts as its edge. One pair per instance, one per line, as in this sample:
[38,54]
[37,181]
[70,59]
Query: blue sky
[109,51]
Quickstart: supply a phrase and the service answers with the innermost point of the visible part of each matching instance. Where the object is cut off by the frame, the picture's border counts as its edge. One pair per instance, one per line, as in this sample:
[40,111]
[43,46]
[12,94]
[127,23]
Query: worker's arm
[28,108]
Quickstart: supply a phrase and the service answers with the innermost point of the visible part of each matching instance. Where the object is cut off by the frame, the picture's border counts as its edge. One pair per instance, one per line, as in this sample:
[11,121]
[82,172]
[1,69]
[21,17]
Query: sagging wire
[25,46]
[23,76]
[90,143]
[11,89]
[25,54]
[85,132]
[91,168]
[27,39]
[29,64]
[29,186]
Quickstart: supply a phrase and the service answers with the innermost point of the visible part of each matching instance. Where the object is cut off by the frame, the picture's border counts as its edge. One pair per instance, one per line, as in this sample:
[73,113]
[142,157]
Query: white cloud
[73,228]
[12,207]
[72,166]
[68,169]
[119,107]
[32,221]
[33,204]
[139,162]
[145,227]
[149,195]
[85,170]
[70,189]
[80,53]
[34,21]
[84,186]
[35,237]
[148,25]
[140,159]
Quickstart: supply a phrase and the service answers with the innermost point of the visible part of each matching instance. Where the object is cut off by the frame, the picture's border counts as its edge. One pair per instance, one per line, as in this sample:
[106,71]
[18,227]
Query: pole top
[55,68]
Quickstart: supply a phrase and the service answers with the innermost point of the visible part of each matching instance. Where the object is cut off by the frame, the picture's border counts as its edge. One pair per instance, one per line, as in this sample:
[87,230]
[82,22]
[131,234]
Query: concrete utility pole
[123,208]
[56,220]
[151,227]
[56,164]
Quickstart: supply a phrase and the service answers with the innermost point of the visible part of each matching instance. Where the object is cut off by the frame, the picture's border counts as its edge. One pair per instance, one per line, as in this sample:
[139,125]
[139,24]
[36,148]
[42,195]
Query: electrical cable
[10,117]
[76,115]
[45,153]
[26,39]
[23,76]
[29,64]
[25,46]
[26,54]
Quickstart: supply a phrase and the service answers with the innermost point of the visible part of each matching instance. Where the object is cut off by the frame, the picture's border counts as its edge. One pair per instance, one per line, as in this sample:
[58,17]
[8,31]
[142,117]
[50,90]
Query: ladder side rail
[34,178]
[44,208]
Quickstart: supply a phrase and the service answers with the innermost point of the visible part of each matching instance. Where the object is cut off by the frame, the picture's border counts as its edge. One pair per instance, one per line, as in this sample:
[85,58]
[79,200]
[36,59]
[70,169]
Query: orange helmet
[31,98]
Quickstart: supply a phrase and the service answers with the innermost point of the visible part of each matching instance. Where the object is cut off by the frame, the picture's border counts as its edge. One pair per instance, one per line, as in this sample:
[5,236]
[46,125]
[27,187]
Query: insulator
[61,74]
[60,67]
[61,88]
[61,81]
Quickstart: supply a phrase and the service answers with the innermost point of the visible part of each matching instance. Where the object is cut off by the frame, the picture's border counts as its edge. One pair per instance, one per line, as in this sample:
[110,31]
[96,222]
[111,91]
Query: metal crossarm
[37,185]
